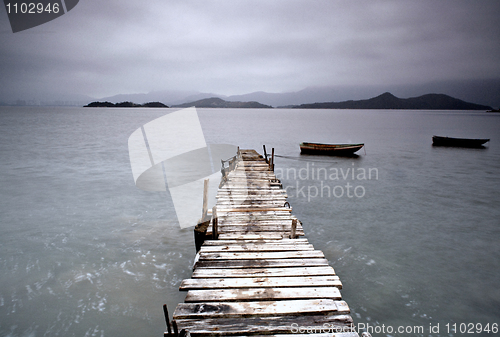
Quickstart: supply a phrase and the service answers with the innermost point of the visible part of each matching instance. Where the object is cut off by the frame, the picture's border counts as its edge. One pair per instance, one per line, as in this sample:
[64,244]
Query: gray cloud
[108,47]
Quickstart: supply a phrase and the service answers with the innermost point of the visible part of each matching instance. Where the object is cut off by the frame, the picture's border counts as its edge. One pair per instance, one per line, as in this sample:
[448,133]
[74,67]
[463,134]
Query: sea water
[411,229]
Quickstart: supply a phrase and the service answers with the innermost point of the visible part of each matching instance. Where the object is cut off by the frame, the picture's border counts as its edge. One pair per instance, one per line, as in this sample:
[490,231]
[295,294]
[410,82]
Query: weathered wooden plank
[249,201]
[252,164]
[270,191]
[236,236]
[244,169]
[254,248]
[256,228]
[246,162]
[304,330]
[264,255]
[227,189]
[262,272]
[235,217]
[246,202]
[255,167]
[260,210]
[251,196]
[284,220]
[326,334]
[266,294]
[247,180]
[250,205]
[258,184]
[256,216]
[254,222]
[261,263]
[284,232]
[256,242]
[258,176]
[249,184]
[261,282]
[260,308]
[255,196]
[230,186]
[246,199]
[262,207]
[252,183]
[267,325]
[230,211]
[242,175]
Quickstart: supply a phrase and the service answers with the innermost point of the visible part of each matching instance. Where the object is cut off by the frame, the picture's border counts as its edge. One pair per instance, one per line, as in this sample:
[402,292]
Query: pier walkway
[258,275]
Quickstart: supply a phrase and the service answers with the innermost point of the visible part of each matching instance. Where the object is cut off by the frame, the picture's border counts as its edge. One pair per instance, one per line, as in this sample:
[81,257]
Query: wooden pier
[255,273]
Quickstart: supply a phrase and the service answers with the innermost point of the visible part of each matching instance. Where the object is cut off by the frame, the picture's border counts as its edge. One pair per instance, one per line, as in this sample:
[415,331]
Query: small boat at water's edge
[458,142]
[330,149]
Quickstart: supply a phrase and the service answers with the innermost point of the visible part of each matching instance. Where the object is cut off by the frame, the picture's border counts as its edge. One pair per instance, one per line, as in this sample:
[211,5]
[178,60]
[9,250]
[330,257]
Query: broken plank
[267,325]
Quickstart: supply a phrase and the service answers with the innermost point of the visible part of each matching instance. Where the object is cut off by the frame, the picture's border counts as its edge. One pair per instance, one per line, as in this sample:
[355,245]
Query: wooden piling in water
[257,276]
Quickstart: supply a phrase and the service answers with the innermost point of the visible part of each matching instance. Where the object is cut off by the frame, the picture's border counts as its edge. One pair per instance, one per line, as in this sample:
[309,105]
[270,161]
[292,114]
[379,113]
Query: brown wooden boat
[330,149]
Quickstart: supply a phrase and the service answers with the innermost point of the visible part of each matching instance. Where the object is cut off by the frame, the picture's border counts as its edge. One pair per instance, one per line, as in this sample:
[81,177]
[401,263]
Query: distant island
[125,105]
[215,102]
[384,101]
[389,101]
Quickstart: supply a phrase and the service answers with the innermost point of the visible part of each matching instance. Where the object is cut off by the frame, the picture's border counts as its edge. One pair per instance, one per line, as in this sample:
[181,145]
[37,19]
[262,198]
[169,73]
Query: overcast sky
[107,47]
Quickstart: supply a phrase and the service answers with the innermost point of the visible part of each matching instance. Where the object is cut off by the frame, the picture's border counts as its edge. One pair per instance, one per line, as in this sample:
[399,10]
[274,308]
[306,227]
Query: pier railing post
[265,154]
[200,230]
[184,333]
[272,160]
[215,227]
[176,330]
[294,229]
[167,319]
[205,200]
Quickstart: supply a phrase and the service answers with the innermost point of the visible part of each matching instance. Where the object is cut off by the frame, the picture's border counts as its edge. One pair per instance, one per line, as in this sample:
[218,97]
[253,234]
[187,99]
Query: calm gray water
[414,236]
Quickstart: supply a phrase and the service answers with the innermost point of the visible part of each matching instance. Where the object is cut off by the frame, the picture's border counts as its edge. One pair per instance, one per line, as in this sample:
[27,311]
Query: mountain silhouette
[215,102]
[389,101]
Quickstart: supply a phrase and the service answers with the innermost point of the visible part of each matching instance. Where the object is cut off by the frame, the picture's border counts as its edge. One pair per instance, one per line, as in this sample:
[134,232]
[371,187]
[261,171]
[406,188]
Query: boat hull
[458,142]
[330,149]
